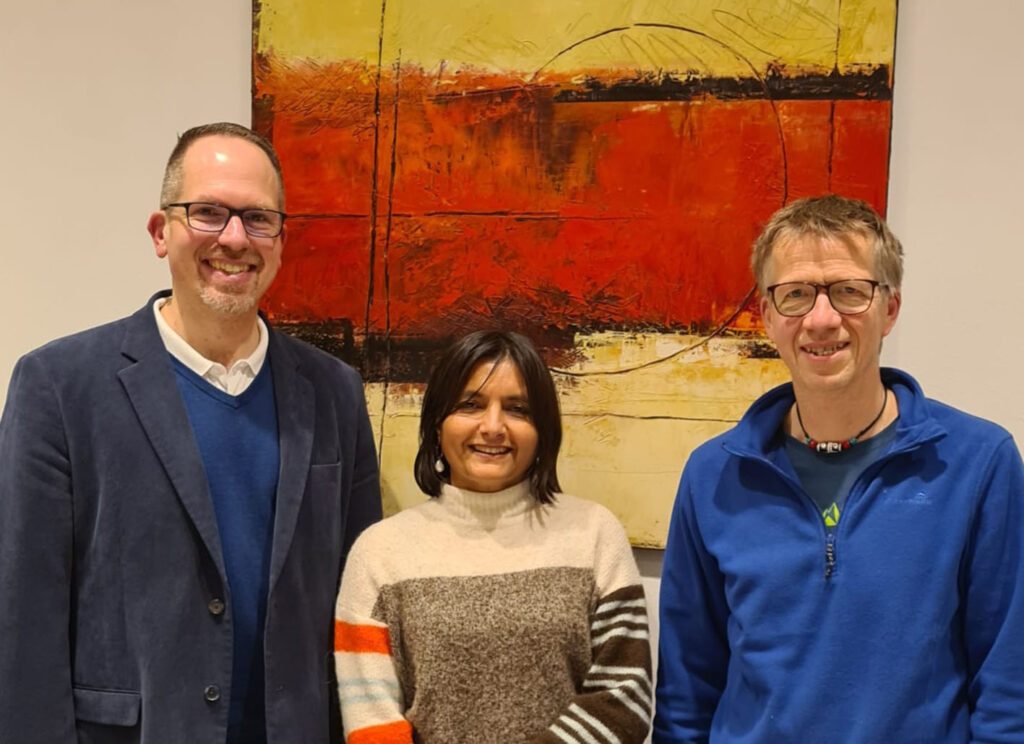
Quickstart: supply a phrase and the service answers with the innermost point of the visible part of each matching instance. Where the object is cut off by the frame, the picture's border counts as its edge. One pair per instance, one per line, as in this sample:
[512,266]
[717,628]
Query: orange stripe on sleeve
[398,732]
[366,639]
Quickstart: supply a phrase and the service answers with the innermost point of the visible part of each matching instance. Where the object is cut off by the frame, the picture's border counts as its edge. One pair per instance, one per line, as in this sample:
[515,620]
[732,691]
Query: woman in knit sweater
[500,610]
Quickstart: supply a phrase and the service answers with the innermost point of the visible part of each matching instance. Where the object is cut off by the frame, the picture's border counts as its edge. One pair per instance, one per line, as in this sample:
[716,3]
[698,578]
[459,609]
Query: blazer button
[216,607]
[211,693]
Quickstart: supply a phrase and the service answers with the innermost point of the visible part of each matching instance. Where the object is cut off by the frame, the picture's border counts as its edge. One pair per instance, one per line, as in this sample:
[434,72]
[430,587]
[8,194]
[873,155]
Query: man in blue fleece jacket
[847,563]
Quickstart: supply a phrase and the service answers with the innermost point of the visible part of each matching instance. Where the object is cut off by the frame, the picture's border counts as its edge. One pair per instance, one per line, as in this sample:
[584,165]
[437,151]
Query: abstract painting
[590,173]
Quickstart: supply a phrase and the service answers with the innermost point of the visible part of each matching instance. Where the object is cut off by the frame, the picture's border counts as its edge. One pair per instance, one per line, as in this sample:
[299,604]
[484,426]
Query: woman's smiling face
[489,439]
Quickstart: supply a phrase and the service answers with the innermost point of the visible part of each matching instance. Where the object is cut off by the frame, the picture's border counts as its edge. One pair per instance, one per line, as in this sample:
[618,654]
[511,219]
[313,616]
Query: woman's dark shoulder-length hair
[444,391]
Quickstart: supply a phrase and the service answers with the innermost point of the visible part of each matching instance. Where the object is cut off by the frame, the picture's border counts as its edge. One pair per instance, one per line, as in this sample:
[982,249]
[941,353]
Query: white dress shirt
[232,381]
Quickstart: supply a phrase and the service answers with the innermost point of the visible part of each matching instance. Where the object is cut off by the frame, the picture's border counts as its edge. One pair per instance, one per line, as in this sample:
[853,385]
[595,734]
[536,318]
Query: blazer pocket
[320,469]
[327,473]
[110,707]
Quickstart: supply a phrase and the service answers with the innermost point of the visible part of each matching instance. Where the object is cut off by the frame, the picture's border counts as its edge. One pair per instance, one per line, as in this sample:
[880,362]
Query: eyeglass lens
[260,223]
[848,297]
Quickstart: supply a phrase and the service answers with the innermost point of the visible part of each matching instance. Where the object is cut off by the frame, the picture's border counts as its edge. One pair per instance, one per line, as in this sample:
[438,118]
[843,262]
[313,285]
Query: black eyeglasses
[206,217]
[847,296]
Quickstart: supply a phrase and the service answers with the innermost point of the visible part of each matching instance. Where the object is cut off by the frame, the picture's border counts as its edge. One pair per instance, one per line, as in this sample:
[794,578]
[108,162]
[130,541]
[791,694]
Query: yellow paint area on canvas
[722,38]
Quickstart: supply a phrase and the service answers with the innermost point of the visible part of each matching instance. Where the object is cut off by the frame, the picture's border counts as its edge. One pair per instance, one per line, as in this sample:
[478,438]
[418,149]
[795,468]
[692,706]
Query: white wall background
[94,94]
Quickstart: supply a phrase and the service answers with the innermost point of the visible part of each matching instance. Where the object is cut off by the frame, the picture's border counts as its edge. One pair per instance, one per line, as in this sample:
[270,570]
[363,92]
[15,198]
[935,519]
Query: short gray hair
[830,216]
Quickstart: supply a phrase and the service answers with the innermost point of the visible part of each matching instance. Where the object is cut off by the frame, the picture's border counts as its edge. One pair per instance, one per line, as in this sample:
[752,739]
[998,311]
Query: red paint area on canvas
[507,205]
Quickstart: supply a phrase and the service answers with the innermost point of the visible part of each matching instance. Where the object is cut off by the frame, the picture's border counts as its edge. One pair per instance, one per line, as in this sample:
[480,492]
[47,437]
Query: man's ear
[893,302]
[157,227]
[766,316]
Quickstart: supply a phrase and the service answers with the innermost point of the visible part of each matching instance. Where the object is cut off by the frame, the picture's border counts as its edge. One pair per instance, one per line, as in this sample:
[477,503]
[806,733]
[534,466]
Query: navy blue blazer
[115,619]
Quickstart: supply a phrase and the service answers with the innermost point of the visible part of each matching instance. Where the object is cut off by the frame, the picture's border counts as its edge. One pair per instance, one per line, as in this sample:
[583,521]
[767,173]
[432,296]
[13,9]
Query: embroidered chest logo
[916,499]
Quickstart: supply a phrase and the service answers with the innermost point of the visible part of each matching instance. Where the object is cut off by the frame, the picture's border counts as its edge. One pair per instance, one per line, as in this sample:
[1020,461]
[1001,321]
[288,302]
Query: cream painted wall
[94,96]
[955,200]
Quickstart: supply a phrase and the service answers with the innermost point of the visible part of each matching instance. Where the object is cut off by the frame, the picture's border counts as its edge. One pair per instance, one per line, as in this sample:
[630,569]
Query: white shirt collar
[232,381]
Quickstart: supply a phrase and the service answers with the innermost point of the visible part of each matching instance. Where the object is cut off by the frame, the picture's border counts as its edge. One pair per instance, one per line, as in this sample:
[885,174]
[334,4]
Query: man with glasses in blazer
[178,491]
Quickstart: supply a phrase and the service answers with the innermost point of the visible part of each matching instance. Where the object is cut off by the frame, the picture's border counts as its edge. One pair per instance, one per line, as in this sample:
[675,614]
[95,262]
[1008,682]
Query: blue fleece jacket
[917,634]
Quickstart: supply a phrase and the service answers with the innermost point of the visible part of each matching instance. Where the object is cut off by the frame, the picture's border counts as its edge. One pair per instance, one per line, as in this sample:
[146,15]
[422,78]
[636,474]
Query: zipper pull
[830,559]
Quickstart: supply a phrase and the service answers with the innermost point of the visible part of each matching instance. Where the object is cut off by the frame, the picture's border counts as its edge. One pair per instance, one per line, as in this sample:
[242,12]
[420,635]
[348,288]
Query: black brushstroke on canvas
[872,85]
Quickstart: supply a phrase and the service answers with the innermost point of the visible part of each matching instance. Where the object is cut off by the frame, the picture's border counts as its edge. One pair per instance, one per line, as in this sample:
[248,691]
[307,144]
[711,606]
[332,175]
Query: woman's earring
[439,464]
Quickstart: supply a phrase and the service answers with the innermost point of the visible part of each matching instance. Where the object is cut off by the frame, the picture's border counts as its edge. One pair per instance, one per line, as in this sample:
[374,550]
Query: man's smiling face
[228,271]
[825,350]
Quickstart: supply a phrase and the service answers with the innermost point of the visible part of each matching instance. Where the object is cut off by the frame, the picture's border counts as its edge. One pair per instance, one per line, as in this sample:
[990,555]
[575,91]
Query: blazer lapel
[295,399]
[153,391]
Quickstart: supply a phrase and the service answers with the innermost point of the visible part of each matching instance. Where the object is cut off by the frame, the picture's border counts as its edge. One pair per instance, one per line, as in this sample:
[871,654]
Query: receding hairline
[174,173]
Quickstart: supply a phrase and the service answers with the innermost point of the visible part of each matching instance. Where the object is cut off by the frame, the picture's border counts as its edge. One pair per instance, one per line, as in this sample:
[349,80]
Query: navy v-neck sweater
[238,442]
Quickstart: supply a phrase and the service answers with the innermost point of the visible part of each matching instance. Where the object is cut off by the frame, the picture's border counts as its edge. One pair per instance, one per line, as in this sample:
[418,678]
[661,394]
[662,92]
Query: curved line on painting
[713,40]
[661,360]
[785,172]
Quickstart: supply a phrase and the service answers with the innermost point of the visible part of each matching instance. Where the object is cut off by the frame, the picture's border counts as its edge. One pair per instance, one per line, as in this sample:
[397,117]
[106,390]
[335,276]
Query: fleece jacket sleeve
[693,650]
[993,595]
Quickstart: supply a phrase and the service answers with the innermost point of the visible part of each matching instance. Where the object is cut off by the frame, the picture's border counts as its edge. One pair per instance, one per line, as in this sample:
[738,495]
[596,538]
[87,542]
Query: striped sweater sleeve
[613,705]
[368,689]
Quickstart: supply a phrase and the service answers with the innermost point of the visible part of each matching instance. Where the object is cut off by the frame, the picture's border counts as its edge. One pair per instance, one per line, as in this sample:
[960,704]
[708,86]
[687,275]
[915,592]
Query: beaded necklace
[832,448]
